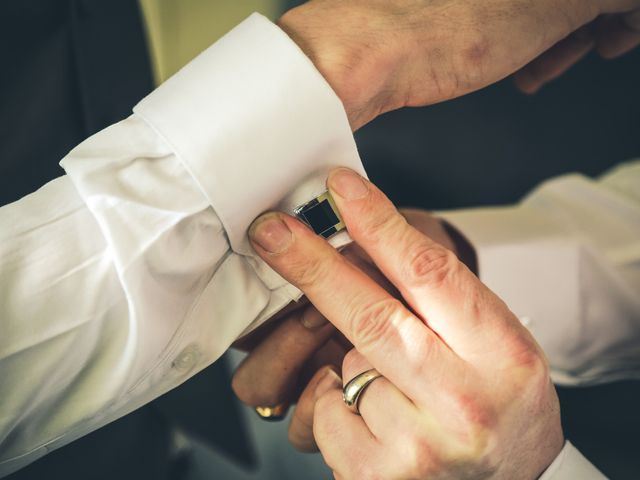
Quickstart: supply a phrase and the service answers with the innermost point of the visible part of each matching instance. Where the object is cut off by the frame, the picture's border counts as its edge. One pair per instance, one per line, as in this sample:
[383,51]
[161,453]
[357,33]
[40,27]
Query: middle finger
[378,325]
[269,374]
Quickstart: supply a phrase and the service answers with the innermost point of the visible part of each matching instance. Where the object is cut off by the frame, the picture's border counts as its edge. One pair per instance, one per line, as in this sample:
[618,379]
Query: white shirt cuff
[254,123]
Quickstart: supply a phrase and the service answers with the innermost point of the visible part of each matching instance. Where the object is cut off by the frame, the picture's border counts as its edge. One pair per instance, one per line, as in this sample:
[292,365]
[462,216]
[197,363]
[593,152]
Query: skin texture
[287,351]
[610,35]
[454,403]
[380,55]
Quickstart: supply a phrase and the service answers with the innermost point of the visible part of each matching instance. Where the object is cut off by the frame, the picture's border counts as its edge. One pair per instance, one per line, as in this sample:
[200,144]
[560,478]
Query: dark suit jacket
[69,68]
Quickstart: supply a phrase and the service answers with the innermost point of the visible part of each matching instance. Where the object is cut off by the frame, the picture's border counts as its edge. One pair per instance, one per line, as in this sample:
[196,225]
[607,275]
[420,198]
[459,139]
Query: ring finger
[386,411]
[347,445]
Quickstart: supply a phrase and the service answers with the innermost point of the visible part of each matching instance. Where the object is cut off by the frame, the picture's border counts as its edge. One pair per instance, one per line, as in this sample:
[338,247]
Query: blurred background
[72,67]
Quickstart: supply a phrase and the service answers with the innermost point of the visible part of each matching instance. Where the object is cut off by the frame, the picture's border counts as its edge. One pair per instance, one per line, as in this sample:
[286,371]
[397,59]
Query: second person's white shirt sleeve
[567,262]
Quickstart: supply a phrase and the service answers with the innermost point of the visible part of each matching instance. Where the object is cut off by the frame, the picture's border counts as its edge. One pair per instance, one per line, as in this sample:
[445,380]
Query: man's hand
[380,55]
[610,35]
[466,391]
[288,353]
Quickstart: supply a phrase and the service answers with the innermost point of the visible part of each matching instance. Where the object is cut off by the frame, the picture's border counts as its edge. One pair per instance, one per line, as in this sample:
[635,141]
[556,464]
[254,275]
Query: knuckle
[480,422]
[473,431]
[530,368]
[427,458]
[534,367]
[476,435]
[309,270]
[420,455]
[372,324]
[380,223]
[352,364]
[477,300]
[430,264]
[537,365]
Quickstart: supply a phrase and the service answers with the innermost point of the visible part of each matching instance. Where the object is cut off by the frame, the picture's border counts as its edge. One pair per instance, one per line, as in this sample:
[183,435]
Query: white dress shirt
[133,272]
[567,261]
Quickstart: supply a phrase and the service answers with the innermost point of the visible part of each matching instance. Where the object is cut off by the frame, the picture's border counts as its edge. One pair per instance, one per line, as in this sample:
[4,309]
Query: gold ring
[353,389]
[273,414]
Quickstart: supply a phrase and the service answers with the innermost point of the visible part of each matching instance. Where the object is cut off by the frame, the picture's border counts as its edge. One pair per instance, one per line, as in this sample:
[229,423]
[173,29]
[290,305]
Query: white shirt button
[188,358]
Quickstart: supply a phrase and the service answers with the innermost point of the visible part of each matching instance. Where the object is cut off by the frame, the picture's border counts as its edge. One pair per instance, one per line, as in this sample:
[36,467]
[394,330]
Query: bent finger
[618,34]
[387,412]
[394,340]
[555,61]
[268,375]
[444,293]
[301,426]
[347,445]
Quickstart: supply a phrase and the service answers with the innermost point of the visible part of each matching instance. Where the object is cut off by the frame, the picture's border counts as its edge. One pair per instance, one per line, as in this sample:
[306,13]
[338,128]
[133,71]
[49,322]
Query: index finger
[439,288]
[379,325]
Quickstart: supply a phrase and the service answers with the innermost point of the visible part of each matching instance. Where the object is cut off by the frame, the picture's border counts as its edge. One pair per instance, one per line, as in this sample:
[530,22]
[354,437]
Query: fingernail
[271,233]
[330,381]
[348,184]
[312,319]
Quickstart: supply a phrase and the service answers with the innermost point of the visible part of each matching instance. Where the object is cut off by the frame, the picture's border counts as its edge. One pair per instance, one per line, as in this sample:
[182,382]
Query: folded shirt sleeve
[570,464]
[567,262]
[132,272]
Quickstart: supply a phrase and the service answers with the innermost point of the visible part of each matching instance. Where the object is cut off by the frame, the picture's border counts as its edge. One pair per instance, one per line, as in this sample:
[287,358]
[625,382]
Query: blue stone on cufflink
[321,215]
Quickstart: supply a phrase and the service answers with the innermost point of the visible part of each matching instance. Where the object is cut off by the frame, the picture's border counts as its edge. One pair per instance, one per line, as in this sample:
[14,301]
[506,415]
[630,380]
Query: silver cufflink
[321,215]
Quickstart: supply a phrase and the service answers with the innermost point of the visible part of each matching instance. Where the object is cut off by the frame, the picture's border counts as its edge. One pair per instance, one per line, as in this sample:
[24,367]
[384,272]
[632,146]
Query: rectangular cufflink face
[321,215]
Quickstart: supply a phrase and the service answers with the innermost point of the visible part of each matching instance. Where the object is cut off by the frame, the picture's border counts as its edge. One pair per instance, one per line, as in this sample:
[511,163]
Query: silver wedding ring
[352,391]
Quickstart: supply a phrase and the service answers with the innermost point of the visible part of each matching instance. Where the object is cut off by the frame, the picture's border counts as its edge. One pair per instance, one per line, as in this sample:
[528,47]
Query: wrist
[358,69]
